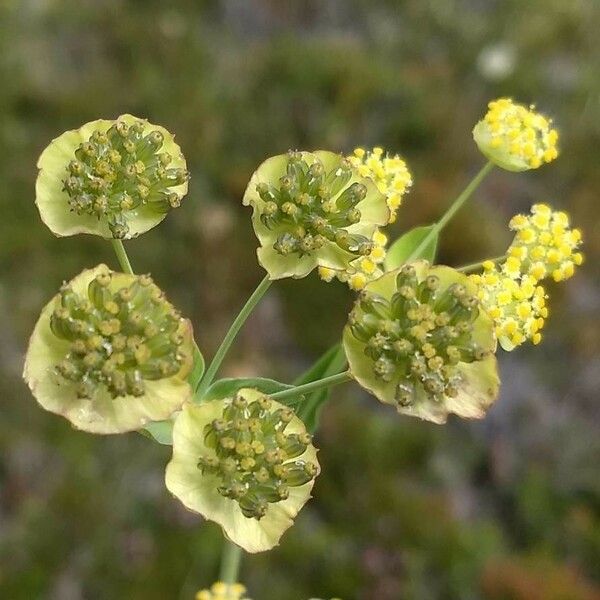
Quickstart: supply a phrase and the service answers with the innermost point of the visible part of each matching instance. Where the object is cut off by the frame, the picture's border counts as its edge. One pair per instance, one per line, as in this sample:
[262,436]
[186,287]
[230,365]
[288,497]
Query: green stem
[478,265]
[122,256]
[313,385]
[212,369]
[313,401]
[462,198]
[230,563]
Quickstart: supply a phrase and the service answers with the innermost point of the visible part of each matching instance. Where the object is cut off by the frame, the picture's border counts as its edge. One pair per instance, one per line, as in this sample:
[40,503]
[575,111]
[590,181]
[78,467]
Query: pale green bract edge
[374,210]
[52,200]
[499,156]
[101,414]
[199,493]
[480,380]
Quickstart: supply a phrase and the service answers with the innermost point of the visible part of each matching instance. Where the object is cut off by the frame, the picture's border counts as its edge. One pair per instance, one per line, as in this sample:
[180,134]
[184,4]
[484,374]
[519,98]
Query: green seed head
[256,460]
[310,199]
[418,336]
[117,171]
[119,339]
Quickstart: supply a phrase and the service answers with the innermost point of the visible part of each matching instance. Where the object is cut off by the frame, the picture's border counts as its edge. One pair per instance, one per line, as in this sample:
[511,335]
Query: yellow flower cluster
[222,591]
[516,304]
[544,244]
[363,269]
[390,174]
[516,137]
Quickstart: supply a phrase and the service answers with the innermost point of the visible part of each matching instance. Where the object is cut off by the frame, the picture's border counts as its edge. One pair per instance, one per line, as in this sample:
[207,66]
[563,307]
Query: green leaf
[160,431]
[406,244]
[229,386]
[317,370]
[198,369]
[330,363]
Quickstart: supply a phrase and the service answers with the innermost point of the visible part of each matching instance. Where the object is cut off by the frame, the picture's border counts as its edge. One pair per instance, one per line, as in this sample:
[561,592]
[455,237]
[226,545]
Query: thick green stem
[230,563]
[454,207]
[212,369]
[313,386]
[122,256]
[478,265]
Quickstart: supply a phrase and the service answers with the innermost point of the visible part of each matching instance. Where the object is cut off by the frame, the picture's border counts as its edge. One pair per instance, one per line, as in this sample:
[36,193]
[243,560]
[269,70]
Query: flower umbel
[544,244]
[110,353]
[514,137]
[311,209]
[417,339]
[245,462]
[516,303]
[390,174]
[110,178]
[223,591]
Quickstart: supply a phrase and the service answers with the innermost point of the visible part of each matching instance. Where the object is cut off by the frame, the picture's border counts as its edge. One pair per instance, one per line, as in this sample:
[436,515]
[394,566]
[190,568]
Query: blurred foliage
[505,509]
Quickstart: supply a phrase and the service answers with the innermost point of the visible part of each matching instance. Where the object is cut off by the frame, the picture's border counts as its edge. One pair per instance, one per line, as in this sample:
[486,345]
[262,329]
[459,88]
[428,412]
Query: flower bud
[113,178]
[411,356]
[103,367]
[258,472]
[311,210]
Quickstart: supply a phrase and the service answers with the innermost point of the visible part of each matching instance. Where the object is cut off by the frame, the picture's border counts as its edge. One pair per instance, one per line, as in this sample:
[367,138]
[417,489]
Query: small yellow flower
[545,244]
[390,174]
[223,591]
[515,137]
[516,303]
[362,270]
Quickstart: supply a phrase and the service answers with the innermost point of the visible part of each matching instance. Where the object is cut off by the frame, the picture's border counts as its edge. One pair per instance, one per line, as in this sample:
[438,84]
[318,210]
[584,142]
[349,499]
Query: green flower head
[109,353]
[115,179]
[418,339]
[245,462]
[312,209]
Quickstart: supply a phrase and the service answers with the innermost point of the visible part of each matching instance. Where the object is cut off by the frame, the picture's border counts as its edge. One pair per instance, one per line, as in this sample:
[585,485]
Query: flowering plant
[111,354]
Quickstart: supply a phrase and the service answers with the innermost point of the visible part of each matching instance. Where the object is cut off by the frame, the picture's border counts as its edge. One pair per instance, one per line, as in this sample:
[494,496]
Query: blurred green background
[507,508]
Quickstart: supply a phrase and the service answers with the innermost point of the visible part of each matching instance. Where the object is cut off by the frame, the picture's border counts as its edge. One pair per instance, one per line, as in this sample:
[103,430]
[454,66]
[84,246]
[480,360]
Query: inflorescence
[309,210]
[390,174]
[517,304]
[516,137]
[254,456]
[223,591]
[544,246]
[116,171]
[419,336]
[118,339]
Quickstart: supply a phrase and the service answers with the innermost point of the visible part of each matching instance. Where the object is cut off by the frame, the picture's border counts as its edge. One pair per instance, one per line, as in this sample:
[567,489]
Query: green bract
[109,353]
[312,209]
[246,463]
[417,339]
[115,179]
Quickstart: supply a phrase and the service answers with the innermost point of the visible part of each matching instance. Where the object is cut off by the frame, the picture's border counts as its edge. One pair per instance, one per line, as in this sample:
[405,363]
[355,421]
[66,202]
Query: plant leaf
[160,431]
[330,363]
[404,246]
[229,386]
[316,370]
[198,369]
